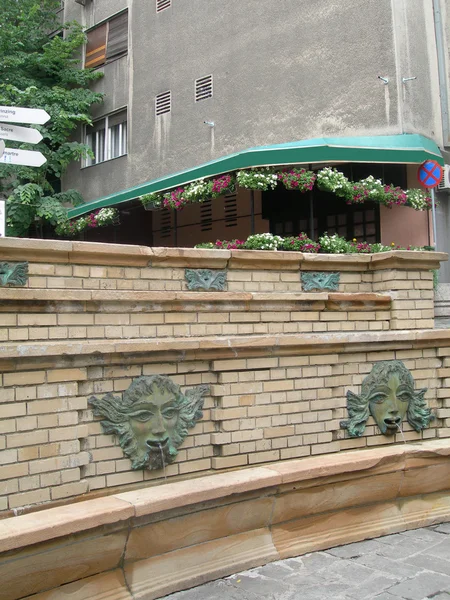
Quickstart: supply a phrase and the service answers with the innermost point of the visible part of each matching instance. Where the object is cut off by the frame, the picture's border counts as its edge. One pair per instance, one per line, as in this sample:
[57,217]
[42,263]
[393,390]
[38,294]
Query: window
[107,42]
[107,138]
[203,88]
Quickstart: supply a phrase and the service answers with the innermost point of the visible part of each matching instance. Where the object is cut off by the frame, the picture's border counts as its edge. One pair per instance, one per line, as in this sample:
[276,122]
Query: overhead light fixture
[210,123]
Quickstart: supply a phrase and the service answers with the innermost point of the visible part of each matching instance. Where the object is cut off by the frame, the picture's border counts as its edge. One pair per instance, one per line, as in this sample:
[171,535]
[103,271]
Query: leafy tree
[39,69]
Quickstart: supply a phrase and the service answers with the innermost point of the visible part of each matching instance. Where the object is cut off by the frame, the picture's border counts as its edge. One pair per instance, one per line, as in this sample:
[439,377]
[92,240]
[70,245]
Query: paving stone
[406,547]
[424,534]
[442,550]
[400,569]
[374,586]
[317,561]
[430,563]
[391,540]
[216,590]
[413,565]
[443,528]
[276,570]
[384,596]
[351,571]
[422,586]
[262,587]
[355,550]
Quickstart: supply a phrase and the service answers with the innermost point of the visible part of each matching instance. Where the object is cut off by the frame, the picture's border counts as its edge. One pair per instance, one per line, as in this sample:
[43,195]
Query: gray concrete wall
[283,71]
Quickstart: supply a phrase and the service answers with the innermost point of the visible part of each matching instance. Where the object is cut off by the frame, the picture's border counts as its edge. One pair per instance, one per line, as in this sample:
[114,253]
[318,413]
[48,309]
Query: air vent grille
[162,5]
[230,209]
[206,216]
[203,88]
[163,103]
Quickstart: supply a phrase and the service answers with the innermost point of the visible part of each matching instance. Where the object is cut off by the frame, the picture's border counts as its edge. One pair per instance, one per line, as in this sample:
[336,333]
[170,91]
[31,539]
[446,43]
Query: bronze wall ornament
[320,281]
[152,419]
[13,273]
[387,394]
[206,279]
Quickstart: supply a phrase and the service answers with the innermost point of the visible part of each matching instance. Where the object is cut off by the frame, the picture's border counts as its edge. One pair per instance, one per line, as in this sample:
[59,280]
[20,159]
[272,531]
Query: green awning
[399,149]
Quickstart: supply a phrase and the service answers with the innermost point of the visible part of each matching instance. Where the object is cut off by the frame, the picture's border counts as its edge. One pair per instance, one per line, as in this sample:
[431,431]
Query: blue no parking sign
[430,174]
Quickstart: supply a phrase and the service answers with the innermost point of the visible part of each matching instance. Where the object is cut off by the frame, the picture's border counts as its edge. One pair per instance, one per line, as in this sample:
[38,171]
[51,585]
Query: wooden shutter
[117,36]
[96,47]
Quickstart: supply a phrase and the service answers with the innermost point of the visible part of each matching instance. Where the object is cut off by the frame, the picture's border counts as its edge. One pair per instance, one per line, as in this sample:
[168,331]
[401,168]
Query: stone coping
[143,296]
[48,524]
[59,251]
[233,345]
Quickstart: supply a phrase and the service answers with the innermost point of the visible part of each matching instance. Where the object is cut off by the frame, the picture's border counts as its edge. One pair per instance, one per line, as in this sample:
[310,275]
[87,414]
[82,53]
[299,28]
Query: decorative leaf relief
[206,279]
[320,281]
[13,273]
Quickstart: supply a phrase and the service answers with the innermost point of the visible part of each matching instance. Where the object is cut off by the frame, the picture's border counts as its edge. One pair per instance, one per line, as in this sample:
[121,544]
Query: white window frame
[107,142]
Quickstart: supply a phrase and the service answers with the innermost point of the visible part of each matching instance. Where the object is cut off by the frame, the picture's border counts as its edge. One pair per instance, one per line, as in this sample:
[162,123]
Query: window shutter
[96,47]
[117,36]
[230,209]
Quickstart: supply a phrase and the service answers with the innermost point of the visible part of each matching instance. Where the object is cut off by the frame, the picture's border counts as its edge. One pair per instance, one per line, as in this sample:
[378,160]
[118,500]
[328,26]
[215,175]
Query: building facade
[187,83]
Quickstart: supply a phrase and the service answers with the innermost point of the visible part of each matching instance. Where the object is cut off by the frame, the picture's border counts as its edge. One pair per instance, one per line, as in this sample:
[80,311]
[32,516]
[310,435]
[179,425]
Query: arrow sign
[19,134]
[27,158]
[2,218]
[15,114]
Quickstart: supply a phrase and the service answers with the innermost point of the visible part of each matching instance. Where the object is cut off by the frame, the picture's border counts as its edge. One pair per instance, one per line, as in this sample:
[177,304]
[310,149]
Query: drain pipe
[443,81]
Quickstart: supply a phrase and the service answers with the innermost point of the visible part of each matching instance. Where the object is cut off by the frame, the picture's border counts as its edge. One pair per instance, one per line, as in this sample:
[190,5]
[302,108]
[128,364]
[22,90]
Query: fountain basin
[159,540]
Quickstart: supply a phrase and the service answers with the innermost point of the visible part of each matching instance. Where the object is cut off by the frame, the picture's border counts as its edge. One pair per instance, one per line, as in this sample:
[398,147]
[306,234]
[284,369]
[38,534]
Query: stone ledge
[133,296]
[91,253]
[234,345]
[48,524]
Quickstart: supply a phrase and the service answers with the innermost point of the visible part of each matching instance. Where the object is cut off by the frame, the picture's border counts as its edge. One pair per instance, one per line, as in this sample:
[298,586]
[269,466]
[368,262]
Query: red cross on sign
[430,174]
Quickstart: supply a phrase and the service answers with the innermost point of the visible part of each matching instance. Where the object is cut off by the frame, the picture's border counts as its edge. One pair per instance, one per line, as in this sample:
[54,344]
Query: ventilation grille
[206,216]
[203,88]
[230,209]
[162,5]
[166,224]
[163,103]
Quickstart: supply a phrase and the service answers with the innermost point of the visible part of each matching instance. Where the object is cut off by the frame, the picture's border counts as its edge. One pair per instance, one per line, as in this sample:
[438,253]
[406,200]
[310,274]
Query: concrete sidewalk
[413,565]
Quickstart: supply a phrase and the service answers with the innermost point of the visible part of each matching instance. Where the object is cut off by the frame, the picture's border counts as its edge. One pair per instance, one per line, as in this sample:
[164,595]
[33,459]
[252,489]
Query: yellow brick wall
[269,401]
[259,410]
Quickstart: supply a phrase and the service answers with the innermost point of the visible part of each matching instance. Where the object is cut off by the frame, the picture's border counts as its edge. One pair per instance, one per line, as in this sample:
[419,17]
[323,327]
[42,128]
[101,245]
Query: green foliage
[41,71]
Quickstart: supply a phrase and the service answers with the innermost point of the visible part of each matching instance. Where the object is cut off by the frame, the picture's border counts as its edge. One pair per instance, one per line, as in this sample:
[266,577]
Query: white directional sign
[2,218]
[19,134]
[2,147]
[15,114]
[27,158]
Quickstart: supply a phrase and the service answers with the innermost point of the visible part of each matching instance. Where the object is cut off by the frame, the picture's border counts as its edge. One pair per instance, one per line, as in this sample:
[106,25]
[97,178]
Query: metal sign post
[430,174]
[433,209]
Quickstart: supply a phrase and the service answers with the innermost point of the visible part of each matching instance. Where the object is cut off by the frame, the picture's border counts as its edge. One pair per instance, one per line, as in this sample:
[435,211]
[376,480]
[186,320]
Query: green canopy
[401,149]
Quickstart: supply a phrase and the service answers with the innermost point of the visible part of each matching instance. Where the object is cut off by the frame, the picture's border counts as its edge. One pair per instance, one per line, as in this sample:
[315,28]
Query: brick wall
[279,361]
